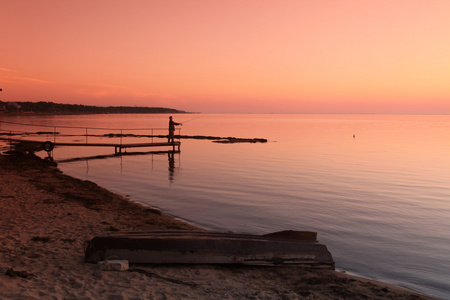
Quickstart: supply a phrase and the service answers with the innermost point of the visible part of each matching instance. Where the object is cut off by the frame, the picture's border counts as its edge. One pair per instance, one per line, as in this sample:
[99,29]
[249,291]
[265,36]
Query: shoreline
[47,216]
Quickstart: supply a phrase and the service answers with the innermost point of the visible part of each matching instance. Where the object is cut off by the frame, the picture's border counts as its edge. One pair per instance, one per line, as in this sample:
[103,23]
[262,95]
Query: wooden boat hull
[203,247]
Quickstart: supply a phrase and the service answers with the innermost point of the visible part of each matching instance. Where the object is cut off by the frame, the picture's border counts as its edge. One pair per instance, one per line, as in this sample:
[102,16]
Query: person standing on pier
[172,128]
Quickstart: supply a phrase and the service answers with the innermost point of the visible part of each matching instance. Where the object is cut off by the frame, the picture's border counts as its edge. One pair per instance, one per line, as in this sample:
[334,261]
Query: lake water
[376,188]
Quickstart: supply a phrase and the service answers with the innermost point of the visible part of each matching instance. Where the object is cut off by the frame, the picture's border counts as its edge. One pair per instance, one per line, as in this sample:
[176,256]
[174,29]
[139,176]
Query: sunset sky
[296,56]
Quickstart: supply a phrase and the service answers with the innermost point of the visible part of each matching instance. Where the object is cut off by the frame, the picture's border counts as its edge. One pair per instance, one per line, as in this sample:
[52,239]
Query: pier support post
[118,150]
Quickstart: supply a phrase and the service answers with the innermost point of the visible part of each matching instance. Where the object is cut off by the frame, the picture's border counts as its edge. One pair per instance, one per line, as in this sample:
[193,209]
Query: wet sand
[47,216]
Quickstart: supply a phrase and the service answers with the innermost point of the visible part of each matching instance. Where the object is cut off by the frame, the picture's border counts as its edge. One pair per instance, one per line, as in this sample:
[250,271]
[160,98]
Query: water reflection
[170,156]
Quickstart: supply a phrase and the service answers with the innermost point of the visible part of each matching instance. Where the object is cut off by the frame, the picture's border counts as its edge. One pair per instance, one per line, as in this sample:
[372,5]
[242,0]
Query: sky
[252,56]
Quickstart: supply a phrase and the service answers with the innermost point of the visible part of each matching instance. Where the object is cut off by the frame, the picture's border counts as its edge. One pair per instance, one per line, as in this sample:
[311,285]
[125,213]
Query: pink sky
[229,56]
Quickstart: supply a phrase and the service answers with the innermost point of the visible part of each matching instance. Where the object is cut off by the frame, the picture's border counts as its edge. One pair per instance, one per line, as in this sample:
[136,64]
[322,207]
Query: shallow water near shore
[376,188]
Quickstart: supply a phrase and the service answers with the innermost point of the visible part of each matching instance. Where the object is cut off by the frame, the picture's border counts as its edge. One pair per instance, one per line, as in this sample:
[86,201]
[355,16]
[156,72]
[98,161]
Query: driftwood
[23,274]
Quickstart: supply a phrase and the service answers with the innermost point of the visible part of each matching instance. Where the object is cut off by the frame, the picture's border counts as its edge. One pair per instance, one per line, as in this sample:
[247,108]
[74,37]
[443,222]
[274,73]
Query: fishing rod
[191,119]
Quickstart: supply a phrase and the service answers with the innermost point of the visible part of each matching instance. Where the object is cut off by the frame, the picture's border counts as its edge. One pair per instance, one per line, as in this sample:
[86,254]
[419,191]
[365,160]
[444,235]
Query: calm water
[376,188]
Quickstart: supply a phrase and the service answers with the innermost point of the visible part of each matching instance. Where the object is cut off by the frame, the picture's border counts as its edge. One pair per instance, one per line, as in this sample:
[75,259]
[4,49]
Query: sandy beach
[47,216]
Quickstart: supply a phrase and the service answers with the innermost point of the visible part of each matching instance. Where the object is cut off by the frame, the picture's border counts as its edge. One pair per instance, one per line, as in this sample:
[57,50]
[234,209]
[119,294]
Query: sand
[47,216]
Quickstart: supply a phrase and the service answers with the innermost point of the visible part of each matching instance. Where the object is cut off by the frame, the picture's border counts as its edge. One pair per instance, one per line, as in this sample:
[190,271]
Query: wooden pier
[118,147]
[48,146]
[59,139]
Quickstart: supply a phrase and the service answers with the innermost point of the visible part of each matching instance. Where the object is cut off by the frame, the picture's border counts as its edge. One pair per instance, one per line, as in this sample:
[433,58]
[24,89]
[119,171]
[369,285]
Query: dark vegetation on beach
[59,108]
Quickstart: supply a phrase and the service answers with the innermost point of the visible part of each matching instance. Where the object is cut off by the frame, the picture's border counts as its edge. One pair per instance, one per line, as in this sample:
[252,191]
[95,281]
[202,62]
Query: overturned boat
[204,247]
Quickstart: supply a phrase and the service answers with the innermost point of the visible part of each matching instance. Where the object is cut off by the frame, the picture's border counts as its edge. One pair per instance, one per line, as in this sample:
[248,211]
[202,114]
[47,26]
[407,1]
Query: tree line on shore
[55,108]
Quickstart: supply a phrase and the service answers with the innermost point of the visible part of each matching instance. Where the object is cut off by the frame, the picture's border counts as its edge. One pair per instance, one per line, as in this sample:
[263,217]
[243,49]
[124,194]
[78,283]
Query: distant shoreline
[52,108]
[88,113]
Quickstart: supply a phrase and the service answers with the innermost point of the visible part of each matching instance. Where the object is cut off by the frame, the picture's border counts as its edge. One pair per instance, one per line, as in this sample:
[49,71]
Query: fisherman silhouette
[172,128]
